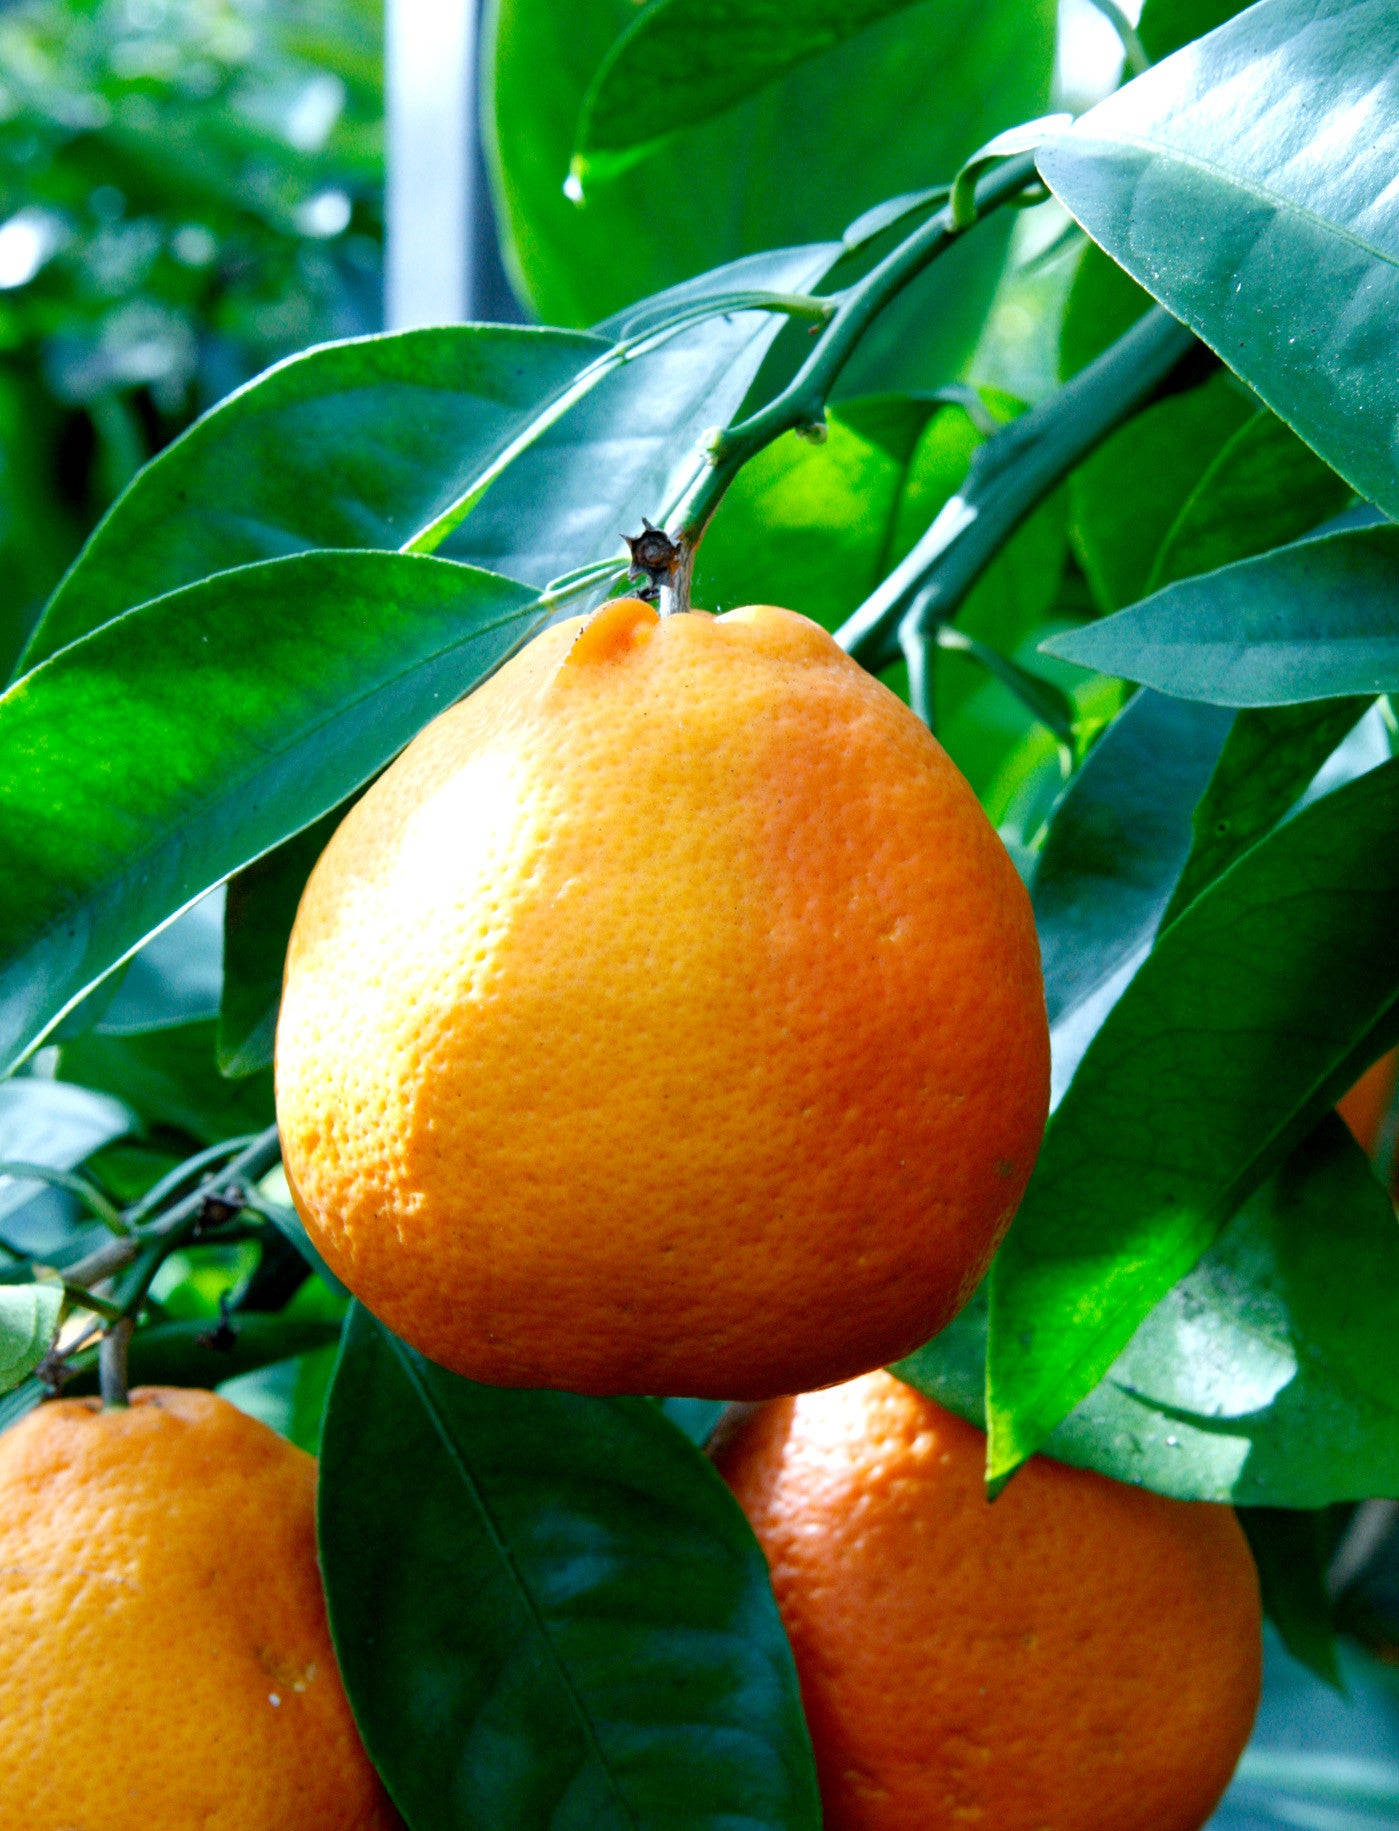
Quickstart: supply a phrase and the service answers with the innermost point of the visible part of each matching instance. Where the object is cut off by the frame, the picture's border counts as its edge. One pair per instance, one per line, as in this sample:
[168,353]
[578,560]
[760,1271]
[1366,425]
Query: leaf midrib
[508,1559]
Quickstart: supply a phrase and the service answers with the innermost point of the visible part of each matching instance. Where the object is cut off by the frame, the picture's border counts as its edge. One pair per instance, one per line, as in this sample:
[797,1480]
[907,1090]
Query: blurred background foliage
[189,189]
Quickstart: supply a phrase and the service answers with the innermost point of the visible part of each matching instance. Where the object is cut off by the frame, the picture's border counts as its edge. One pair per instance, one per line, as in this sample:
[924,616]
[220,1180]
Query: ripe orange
[1076,1656]
[164,1656]
[668,1019]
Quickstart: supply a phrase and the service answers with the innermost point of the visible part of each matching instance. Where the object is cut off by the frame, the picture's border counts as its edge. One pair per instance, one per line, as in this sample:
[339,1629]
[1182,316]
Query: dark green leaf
[359,444]
[176,978]
[1261,1378]
[1268,759]
[1263,489]
[681,62]
[171,1078]
[1117,842]
[262,902]
[1292,1548]
[570,1625]
[28,1322]
[1248,1019]
[799,161]
[154,757]
[1316,620]
[1248,184]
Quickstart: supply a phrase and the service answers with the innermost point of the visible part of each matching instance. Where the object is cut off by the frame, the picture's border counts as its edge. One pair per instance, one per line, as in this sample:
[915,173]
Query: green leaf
[1261,1378]
[1264,488]
[48,1122]
[1316,620]
[1126,497]
[635,443]
[571,1624]
[262,902]
[1117,842]
[1248,1019]
[149,760]
[1247,183]
[358,444]
[1292,1548]
[28,1323]
[170,1077]
[1166,25]
[1268,759]
[387,442]
[681,62]
[799,161]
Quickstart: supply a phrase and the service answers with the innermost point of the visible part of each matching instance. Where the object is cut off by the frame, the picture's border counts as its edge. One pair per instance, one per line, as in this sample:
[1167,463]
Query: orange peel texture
[1077,1655]
[668,1018]
[164,1655]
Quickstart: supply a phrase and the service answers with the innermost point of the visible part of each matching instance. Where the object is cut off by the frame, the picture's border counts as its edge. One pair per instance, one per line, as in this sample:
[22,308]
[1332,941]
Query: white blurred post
[430,176]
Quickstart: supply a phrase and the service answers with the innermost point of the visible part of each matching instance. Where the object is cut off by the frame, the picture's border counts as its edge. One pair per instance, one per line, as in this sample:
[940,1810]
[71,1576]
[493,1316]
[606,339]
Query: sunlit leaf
[1251,1015]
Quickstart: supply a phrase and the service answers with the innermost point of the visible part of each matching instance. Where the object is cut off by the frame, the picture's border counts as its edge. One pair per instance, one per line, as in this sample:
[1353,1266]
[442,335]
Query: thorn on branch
[223,1337]
[654,557]
[218,1208]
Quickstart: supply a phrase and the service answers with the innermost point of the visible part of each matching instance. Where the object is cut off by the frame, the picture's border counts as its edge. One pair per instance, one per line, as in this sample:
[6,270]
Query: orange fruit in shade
[1367,1107]
[668,1018]
[164,1656]
[1078,1655]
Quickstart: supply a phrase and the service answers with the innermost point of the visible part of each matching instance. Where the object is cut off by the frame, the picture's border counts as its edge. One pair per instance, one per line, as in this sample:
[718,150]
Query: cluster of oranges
[668,1020]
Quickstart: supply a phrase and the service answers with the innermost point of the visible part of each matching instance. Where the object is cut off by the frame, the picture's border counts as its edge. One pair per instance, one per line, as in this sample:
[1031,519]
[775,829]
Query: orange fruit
[164,1655]
[1077,1655]
[667,1019]
[1367,1107]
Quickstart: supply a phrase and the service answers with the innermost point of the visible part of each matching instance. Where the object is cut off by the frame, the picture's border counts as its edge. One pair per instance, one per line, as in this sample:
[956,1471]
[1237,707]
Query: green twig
[1010,475]
[801,406]
[70,1181]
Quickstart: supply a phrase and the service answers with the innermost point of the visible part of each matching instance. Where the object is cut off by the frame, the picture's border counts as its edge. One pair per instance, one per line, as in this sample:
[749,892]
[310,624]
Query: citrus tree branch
[1009,476]
[801,405]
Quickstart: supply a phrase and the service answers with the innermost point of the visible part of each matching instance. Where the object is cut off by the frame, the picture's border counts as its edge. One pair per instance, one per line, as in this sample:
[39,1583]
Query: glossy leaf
[800,160]
[1316,620]
[1243,1025]
[358,444]
[630,448]
[1261,1378]
[1264,488]
[28,1323]
[1117,843]
[1247,183]
[726,52]
[262,902]
[1269,758]
[47,1122]
[127,794]
[384,443]
[176,978]
[570,1625]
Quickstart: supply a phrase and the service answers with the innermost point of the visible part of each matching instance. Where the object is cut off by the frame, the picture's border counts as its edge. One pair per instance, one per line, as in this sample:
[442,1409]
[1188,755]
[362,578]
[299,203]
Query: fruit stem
[1010,475]
[801,406]
[111,1363]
